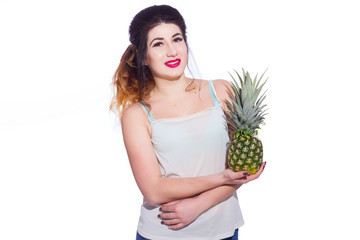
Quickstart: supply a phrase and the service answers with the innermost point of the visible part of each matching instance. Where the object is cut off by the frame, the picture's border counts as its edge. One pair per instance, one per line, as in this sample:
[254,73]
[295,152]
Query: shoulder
[134,116]
[222,88]
[221,84]
[134,110]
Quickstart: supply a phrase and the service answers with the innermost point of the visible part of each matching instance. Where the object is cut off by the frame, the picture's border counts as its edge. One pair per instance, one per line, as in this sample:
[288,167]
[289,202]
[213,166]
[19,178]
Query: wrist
[222,178]
[202,203]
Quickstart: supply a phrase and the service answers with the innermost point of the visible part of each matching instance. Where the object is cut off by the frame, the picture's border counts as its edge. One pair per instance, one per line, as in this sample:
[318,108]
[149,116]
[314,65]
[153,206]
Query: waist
[220,220]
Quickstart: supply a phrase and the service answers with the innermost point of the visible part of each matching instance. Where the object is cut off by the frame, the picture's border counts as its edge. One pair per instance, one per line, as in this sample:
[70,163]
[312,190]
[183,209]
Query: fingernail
[246,174]
[158,216]
[162,222]
[264,165]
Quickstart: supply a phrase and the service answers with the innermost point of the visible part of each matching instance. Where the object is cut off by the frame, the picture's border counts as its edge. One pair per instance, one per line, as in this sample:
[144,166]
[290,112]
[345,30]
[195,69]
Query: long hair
[133,80]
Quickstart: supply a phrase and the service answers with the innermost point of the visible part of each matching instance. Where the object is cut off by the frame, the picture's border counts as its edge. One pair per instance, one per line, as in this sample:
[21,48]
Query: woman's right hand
[241,177]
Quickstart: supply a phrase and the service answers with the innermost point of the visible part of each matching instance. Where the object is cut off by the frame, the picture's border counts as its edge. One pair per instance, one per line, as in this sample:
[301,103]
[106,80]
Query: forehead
[163,30]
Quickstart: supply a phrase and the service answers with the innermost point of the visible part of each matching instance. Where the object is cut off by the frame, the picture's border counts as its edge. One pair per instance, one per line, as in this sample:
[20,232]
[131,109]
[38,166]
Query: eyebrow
[158,38]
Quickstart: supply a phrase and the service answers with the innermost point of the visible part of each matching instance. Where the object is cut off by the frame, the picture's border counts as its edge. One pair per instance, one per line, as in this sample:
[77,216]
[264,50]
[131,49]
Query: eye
[158,44]
[178,39]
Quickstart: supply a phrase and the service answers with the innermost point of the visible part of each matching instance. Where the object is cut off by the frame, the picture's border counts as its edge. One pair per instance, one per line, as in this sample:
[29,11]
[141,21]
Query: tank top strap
[213,93]
[147,111]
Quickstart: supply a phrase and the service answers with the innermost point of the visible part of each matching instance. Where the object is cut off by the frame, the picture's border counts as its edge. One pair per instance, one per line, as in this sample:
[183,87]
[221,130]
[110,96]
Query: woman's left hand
[180,213]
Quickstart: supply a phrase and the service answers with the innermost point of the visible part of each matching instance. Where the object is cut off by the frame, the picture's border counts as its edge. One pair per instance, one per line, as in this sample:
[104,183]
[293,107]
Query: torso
[190,144]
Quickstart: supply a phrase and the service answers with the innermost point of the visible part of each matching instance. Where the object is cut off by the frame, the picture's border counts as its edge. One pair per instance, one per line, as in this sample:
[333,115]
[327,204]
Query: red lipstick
[173,63]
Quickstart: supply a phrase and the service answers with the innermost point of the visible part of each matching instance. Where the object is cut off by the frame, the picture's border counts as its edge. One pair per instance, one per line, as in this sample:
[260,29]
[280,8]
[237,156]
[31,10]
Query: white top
[191,146]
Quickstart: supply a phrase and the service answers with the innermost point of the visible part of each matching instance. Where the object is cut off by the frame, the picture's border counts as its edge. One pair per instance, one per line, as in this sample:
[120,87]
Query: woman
[175,135]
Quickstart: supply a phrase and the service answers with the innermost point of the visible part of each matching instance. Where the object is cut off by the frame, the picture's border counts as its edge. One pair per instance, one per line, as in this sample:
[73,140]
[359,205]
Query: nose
[171,50]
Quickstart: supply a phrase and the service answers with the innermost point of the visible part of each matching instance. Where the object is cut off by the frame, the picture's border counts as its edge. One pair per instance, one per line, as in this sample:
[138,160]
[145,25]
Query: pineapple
[245,114]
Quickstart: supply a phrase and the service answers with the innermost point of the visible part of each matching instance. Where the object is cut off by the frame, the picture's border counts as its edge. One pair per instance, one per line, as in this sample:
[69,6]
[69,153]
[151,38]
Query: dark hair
[142,23]
[133,80]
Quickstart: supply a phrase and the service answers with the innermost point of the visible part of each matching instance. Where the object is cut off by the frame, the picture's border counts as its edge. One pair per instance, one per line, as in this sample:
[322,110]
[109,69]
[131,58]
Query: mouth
[173,63]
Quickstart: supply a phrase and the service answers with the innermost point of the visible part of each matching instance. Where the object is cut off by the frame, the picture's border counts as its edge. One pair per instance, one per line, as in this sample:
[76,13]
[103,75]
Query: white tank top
[191,146]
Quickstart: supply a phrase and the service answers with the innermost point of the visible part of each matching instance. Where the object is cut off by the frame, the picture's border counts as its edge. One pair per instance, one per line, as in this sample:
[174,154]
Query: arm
[215,196]
[145,167]
[223,88]
[180,213]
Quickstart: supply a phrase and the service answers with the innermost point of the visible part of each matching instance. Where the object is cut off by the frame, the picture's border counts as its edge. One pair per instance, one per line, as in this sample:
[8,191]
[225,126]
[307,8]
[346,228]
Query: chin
[175,75]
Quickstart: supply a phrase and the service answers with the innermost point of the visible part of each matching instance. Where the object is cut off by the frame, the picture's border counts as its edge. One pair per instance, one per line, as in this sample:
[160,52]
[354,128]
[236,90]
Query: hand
[242,177]
[180,213]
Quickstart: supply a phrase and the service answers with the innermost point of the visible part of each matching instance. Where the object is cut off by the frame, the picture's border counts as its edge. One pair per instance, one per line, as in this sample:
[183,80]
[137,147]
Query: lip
[173,63]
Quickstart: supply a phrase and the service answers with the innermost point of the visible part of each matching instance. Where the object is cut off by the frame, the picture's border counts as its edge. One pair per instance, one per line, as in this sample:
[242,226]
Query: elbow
[152,203]
[155,197]
[154,194]
[153,200]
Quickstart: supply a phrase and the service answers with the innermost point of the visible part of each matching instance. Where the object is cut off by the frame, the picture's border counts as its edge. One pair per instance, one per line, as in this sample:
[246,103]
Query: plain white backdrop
[64,172]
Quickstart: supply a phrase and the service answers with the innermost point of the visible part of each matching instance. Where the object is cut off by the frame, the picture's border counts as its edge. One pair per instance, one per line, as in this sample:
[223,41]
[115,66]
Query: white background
[64,172]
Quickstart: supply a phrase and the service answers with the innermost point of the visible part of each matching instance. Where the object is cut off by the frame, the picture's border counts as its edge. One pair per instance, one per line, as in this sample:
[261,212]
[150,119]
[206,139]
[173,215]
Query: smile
[173,63]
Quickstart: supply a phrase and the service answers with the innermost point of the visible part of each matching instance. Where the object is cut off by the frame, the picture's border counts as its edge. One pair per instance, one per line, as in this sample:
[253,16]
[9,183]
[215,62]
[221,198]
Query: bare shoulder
[135,110]
[222,88]
[134,116]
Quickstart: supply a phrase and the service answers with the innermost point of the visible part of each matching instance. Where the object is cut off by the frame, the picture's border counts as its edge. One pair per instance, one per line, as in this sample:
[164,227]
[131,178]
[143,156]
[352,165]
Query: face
[166,54]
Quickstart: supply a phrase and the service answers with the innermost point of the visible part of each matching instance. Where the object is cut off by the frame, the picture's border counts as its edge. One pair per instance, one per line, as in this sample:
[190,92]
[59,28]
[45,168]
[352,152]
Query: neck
[171,88]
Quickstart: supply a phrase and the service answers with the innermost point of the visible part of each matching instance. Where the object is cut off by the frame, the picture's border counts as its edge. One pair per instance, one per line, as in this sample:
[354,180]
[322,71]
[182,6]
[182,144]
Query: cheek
[153,62]
[184,51]
[185,55]
[153,57]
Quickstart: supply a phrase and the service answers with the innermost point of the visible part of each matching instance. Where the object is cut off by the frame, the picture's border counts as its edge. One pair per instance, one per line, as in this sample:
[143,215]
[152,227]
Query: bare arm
[180,213]
[144,164]
[215,196]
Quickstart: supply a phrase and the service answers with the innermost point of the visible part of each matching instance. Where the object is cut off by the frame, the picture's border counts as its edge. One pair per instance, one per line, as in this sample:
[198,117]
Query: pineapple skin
[245,153]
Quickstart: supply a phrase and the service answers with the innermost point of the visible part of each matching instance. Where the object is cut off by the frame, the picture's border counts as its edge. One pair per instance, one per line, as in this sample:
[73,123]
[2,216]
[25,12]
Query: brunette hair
[133,80]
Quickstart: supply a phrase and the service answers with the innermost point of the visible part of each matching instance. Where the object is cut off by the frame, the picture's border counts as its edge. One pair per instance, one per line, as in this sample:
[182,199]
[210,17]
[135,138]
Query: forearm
[210,198]
[170,189]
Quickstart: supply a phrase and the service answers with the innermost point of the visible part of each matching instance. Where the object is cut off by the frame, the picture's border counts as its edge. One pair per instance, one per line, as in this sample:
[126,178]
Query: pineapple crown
[245,109]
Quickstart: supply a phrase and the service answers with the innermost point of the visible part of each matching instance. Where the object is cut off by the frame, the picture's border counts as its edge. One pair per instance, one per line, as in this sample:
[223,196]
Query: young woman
[175,135]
